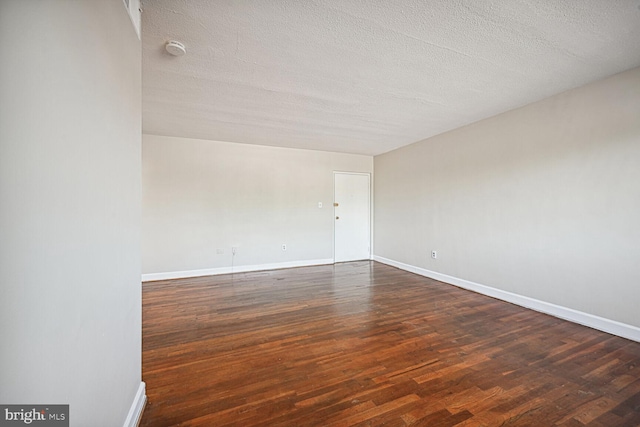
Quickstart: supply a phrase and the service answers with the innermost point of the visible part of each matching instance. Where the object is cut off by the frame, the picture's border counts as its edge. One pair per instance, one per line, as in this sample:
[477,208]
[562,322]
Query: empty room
[320,213]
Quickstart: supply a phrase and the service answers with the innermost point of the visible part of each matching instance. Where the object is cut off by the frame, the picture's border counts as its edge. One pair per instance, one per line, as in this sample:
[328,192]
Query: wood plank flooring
[365,344]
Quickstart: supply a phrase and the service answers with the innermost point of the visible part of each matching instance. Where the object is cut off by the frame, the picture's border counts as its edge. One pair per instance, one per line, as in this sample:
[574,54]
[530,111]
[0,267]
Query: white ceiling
[364,76]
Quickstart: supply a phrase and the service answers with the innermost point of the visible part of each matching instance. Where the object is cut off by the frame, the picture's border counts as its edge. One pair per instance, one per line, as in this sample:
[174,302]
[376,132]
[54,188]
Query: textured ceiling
[363,76]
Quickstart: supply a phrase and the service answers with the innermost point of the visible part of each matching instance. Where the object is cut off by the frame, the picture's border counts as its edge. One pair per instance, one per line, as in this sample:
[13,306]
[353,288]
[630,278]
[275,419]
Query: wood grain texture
[365,344]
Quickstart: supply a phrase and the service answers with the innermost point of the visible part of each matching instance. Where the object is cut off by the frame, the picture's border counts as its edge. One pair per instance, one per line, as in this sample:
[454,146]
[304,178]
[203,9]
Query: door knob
[337,217]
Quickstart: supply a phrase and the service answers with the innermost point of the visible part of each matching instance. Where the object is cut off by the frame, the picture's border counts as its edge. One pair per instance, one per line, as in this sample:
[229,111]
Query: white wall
[200,196]
[70,132]
[542,201]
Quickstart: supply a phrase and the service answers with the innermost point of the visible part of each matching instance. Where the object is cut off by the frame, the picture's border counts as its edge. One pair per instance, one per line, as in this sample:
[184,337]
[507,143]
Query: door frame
[370,176]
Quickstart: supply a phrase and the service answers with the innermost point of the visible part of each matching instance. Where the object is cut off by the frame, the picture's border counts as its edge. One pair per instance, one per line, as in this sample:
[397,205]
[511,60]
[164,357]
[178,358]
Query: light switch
[320,205]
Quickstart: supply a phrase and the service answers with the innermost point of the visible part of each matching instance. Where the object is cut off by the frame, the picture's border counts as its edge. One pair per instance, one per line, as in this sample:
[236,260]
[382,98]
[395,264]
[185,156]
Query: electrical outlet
[284,247]
[434,254]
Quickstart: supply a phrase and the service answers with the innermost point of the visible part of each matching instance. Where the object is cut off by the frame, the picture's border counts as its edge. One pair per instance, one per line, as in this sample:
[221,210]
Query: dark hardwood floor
[367,344]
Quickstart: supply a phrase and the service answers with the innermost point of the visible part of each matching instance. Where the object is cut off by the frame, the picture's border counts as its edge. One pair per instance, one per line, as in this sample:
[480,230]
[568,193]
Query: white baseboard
[237,269]
[135,412]
[586,319]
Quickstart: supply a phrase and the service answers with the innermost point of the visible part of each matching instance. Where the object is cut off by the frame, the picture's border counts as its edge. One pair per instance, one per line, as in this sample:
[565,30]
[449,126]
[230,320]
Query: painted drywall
[205,197]
[70,160]
[542,201]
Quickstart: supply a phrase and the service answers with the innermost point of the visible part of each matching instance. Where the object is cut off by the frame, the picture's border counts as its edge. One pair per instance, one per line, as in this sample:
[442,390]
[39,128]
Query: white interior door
[352,216]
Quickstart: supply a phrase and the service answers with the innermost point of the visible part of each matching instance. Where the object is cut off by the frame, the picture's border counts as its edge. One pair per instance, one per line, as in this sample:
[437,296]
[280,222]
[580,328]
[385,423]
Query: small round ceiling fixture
[175,48]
